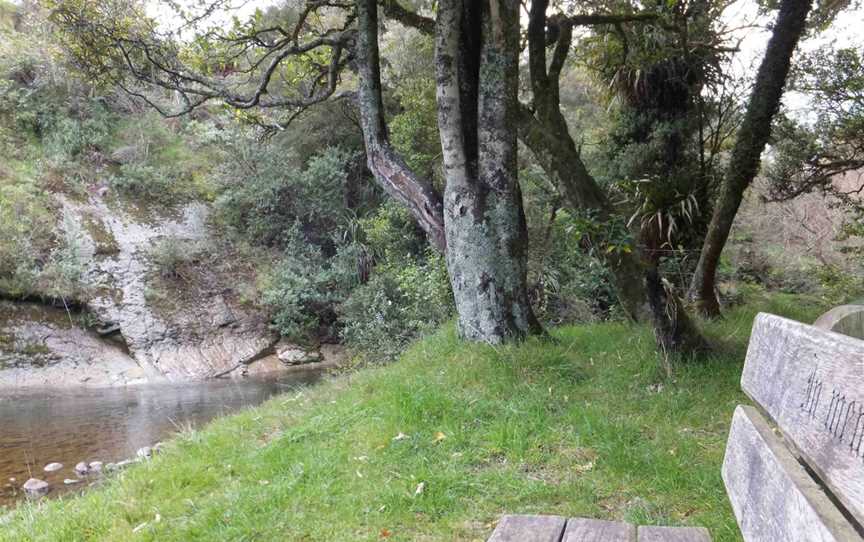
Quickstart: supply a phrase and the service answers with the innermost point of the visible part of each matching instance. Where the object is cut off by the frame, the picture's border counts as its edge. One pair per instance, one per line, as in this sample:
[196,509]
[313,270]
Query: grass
[438,445]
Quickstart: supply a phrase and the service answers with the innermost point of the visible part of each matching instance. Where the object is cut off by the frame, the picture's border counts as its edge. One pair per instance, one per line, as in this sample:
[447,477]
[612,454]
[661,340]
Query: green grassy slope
[440,444]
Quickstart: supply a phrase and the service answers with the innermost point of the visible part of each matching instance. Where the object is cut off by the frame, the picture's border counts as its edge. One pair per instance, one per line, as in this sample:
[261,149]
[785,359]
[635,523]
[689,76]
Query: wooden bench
[845,319]
[794,466]
[561,529]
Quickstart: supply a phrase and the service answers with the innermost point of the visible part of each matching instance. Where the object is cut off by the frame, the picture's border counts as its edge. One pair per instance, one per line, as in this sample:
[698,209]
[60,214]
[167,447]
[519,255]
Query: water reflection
[40,426]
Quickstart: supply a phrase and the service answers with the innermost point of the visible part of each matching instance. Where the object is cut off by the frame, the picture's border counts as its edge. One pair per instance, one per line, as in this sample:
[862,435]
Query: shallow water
[40,426]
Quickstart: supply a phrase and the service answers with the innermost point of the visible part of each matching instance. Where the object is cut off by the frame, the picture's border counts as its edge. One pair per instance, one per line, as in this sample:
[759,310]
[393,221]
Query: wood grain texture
[673,534]
[845,319]
[811,382]
[598,530]
[773,497]
[529,529]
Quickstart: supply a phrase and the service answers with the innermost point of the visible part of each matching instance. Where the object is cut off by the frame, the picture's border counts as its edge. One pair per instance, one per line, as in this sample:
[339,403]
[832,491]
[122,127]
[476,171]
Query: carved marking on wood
[812,394]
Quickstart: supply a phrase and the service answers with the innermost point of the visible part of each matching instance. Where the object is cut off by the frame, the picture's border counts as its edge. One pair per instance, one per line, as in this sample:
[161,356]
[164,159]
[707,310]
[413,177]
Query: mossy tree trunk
[751,140]
[477,70]
[480,224]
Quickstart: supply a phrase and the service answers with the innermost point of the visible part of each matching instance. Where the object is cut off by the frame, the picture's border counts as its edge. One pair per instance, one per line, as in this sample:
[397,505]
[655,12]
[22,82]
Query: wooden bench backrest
[810,382]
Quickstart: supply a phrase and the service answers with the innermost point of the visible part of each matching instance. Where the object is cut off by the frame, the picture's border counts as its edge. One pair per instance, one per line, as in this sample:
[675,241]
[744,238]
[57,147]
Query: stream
[41,426]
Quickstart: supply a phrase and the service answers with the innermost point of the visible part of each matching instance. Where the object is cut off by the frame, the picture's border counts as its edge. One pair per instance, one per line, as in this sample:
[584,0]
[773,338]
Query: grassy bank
[438,445]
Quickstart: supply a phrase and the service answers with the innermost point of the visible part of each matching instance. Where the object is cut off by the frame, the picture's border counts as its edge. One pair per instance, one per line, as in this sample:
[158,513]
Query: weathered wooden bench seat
[794,466]
[561,529]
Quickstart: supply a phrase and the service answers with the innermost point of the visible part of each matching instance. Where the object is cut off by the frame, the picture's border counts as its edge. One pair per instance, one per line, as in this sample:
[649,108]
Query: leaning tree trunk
[477,68]
[556,152]
[752,138]
[388,168]
[544,130]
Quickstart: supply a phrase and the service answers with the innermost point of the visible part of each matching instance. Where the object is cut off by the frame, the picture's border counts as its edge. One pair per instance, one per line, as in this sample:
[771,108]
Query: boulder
[53,467]
[82,468]
[292,354]
[35,488]
[95,466]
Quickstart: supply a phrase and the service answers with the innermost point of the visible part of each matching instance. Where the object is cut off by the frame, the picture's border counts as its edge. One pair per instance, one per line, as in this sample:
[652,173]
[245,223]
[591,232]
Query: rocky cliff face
[139,325]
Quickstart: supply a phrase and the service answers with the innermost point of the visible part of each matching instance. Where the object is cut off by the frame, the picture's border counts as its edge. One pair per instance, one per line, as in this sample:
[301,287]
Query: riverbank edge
[439,444]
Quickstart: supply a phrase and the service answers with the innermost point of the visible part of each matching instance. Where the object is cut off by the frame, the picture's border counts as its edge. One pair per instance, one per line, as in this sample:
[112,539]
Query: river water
[40,426]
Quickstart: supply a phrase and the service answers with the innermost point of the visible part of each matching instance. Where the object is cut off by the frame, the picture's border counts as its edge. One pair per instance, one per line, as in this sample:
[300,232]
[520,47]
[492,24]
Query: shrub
[172,256]
[263,194]
[27,236]
[305,288]
[401,302]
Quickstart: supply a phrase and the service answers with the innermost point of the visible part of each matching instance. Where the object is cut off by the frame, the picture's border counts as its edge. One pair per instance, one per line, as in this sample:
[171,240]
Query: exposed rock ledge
[138,338]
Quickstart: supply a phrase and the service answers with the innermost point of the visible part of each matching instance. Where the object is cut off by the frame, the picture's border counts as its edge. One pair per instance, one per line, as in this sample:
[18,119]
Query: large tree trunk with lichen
[477,68]
[751,140]
[388,168]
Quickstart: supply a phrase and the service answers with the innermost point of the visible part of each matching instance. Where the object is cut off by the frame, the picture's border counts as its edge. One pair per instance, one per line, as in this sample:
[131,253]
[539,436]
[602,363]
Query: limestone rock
[82,468]
[292,354]
[95,466]
[53,467]
[70,482]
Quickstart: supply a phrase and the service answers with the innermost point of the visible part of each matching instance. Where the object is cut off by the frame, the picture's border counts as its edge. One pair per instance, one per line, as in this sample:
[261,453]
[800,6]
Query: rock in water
[69,481]
[144,453]
[82,468]
[35,488]
[96,466]
[53,467]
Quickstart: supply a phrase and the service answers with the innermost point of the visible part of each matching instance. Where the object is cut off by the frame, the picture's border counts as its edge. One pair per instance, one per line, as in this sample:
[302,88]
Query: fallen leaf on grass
[421,487]
[401,436]
[584,467]
[385,533]
[439,436]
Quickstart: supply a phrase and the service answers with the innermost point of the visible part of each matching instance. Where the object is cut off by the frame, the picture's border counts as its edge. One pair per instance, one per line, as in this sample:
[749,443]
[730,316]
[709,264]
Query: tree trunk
[477,68]
[557,154]
[546,133]
[389,169]
[751,140]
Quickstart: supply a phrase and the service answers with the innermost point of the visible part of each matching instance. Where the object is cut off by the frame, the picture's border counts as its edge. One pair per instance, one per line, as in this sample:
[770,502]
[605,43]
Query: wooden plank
[598,530]
[514,528]
[673,534]
[772,495]
[811,382]
[845,319]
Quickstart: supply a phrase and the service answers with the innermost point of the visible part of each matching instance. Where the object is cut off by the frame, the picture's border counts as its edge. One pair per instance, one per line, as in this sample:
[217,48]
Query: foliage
[570,283]
[171,256]
[402,301]
[37,258]
[263,193]
[414,129]
[305,287]
[811,154]
[27,234]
